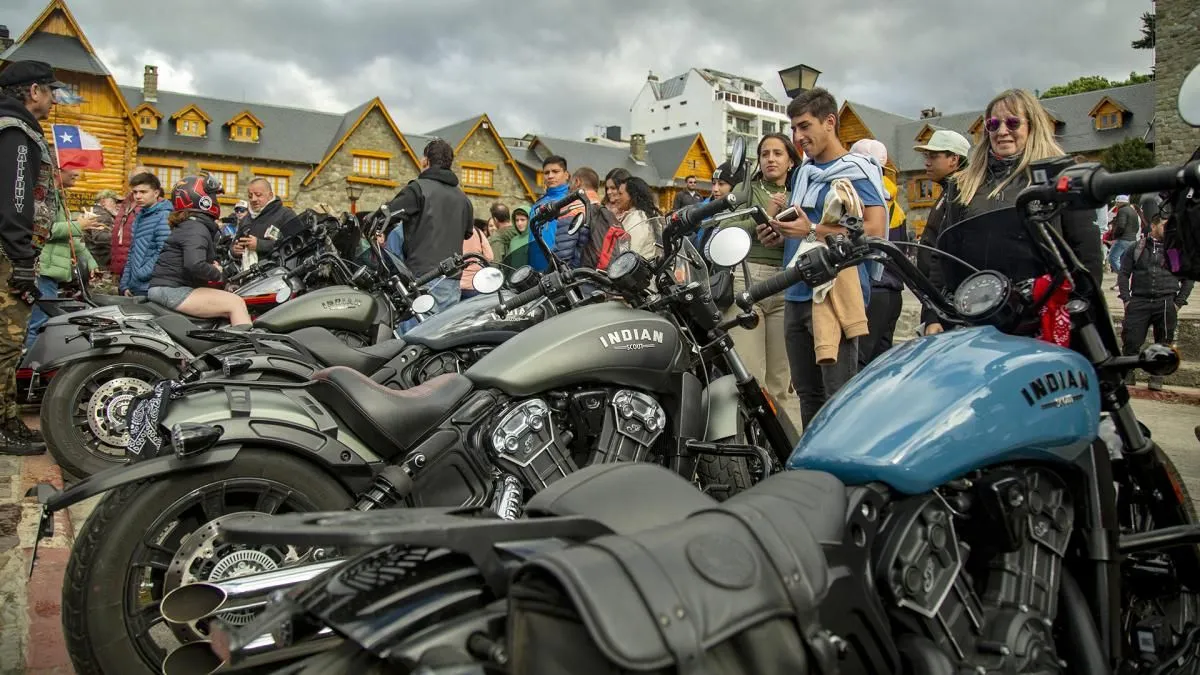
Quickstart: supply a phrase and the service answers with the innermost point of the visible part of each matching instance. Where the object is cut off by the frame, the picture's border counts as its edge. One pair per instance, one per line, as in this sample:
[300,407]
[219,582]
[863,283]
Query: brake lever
[747,320]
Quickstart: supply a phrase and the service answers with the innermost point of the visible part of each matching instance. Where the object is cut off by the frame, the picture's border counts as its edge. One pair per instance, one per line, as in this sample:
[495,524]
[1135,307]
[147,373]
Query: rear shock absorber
[507,503]
[393,485]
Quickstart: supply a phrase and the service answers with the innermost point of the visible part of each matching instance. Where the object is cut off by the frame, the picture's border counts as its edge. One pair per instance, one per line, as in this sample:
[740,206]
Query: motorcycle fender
[54,357]
[722,399]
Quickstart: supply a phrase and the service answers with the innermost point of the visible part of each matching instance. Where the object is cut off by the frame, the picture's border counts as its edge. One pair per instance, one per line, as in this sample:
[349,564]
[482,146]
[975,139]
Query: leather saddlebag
[732,590]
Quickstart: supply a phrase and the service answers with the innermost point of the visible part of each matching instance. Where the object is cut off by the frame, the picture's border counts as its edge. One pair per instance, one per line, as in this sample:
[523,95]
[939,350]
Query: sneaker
[10,444]
[1155,383]
[23,432]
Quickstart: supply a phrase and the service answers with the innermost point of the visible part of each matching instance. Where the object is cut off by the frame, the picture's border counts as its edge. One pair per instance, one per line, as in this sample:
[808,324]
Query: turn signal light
[189,439]
[1159,360]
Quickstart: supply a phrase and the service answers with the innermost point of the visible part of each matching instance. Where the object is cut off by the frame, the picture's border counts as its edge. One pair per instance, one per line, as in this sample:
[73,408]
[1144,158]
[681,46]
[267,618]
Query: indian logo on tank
[339,304]
[1056,386]
[631,339]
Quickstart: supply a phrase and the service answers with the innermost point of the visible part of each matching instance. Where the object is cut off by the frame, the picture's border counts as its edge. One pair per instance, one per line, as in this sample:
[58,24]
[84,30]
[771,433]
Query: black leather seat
[627,497]
[331,351]
[390,421]
[178,325]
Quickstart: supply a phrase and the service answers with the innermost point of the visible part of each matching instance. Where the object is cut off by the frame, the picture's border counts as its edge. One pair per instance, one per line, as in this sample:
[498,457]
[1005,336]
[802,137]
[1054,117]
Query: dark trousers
[1144,314]
[882,314]
[814,384]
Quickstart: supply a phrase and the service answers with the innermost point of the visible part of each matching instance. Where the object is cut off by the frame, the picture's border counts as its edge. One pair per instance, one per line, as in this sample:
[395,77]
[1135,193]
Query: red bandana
[1056,321]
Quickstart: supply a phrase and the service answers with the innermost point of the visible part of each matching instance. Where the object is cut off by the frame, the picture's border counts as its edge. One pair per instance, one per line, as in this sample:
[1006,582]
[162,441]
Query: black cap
[725,174]
[29,72]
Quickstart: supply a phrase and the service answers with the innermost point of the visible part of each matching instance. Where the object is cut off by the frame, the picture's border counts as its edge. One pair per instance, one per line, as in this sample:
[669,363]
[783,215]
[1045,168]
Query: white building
[718,105]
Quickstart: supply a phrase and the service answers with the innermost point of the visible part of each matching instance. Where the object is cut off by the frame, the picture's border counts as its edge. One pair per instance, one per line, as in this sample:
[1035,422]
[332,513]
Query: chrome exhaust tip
[192,602]
[193,658]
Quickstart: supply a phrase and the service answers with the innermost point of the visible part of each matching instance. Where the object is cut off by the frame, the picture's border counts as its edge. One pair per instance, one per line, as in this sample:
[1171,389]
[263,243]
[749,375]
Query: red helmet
[197,193]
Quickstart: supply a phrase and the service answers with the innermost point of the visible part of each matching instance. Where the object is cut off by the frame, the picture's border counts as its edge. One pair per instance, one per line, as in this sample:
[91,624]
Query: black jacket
[440,218]
[1150,278]
[186,259]
[273,215]
[685,198]
[928,261]
[1126,224]
[20,161]
[1017,258]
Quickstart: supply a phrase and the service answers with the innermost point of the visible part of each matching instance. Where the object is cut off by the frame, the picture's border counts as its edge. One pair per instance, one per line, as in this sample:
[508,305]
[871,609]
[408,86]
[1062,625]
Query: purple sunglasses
[993,123]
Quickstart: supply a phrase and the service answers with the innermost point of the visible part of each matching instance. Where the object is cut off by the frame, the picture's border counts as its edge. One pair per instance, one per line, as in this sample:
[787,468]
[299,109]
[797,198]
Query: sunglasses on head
[993,123]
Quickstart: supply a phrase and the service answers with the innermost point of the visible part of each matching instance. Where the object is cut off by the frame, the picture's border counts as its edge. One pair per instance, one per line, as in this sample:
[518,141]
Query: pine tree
[1147,40]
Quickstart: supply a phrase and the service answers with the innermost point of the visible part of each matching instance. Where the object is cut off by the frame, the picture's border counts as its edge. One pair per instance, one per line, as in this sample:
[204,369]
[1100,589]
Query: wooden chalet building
[1085,124]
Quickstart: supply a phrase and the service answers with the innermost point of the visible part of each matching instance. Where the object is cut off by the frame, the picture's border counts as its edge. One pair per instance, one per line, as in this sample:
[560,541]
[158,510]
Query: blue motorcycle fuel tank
[938,407]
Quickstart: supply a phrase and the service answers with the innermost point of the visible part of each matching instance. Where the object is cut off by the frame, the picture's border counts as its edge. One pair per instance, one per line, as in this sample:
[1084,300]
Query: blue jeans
[37,318]
[446,293]
[1115,252]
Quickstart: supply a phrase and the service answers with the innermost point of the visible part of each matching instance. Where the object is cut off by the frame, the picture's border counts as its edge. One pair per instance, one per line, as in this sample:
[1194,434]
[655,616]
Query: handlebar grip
[1158,179]
[521,299]
[691,216]
[765,289]
[548,211]
[428,276]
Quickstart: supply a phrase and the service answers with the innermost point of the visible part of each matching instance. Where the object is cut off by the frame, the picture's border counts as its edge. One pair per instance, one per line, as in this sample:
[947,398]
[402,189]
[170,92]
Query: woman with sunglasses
[1019,132]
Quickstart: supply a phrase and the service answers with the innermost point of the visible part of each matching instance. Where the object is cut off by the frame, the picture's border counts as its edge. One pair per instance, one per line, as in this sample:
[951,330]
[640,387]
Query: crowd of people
[160,241]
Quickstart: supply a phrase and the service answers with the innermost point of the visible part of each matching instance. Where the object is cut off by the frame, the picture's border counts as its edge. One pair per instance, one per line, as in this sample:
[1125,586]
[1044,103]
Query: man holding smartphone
[814,131]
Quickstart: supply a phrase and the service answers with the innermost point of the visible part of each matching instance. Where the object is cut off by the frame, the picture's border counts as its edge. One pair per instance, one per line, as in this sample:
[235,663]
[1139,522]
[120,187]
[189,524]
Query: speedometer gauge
[981,294]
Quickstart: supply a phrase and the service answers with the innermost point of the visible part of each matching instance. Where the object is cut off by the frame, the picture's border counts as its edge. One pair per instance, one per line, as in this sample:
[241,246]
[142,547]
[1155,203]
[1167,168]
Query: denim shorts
[170,297]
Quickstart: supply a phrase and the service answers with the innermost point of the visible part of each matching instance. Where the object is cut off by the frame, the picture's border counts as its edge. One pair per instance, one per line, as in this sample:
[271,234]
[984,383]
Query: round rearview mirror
[1189,98]
[737,154]
[728,247]
[576,223]
[283,295]
[423,304]
[487,280]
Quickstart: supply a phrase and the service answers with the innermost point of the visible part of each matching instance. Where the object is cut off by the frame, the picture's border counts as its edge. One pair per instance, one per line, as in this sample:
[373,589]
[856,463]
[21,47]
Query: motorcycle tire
[724,476]
[83,451]
[106,631]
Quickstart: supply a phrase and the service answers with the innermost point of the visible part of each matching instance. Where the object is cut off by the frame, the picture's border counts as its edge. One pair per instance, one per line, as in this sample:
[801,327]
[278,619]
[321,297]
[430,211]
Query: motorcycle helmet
[197,193]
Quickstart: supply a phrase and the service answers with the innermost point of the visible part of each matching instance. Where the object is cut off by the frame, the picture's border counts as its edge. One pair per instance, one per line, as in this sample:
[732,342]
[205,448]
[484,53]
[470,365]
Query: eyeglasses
[993,123]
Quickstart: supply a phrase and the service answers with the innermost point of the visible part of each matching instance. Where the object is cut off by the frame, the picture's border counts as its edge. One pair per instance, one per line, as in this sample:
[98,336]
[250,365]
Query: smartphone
[788,214]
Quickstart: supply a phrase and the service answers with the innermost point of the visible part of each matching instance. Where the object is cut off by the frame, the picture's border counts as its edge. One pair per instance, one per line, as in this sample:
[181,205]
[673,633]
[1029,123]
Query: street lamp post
[798,79]
[353,191]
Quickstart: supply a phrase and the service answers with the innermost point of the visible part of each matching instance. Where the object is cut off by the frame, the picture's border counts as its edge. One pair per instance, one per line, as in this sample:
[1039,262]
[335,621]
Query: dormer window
[147,116]
[1108,114]
[191,121]
[244,127]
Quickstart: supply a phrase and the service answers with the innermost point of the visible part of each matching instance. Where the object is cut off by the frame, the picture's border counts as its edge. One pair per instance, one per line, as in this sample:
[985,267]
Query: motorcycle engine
[984,601]
[529,444]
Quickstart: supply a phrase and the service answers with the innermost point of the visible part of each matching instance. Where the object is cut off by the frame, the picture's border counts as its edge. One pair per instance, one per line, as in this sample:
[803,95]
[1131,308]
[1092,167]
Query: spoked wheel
[147,539]
[84,414]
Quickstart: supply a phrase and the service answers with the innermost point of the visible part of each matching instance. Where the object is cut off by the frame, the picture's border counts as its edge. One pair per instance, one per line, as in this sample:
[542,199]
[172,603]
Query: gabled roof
[65,47]
[289,134]
[1106,99]
[457,134]
[667,155]
[881,124]
[346,126]
[191,107]
[149,107]
[247,115]
[663,158]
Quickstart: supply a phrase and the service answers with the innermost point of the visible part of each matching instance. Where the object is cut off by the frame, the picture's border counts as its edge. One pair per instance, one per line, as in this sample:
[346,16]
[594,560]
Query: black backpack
[1181,238]
[599,221]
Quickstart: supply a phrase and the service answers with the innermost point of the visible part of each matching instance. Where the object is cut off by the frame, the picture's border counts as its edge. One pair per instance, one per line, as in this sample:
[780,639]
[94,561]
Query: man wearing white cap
[945,155]
[1125,226]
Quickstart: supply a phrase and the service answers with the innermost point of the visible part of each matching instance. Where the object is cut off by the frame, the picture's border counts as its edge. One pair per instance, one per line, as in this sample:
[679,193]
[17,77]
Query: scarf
[1056,321]
[537,259]
[809,179]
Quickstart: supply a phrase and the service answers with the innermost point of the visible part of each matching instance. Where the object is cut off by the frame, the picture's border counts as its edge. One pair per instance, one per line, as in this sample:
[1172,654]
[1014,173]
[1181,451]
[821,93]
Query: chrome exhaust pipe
[191,602]
[199,658]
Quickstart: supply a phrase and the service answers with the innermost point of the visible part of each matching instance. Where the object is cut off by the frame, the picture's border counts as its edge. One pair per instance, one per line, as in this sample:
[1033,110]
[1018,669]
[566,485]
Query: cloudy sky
[560,68]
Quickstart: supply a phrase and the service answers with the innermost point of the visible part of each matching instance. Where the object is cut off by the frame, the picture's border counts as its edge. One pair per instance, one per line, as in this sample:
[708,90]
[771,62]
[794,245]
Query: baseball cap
[1122,199]
[30,72]
[871,149]
[944,140]
[242,204]
[726,174]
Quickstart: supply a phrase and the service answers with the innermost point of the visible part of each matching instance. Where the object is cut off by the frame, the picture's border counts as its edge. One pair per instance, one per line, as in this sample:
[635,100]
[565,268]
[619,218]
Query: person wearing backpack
[580,249]
[1125,226]
[1152,295]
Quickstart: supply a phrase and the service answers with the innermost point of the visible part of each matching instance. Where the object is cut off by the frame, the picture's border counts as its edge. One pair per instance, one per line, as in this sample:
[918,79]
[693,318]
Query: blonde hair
[1039,144]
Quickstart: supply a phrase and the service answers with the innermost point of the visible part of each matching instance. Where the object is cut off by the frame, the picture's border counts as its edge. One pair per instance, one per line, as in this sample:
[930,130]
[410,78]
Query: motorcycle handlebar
[520,299]
[1104,184]
[778,283]
[690,217]
[549,211]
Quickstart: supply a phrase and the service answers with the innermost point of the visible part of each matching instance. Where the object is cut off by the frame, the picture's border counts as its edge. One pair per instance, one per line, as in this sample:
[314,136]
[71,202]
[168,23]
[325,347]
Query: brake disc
[108,406]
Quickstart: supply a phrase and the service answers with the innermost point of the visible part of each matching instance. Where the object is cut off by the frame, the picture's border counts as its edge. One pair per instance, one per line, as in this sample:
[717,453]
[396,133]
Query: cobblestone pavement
[30,629]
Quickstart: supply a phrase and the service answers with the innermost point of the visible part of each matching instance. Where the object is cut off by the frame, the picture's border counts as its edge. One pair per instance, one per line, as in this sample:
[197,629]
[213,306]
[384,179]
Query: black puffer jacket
[187,258]
[274,223]
[1018,257]
[1144,275]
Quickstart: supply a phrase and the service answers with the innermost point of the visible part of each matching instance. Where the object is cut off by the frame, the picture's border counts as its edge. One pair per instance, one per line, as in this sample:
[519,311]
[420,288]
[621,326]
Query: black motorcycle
[603,382]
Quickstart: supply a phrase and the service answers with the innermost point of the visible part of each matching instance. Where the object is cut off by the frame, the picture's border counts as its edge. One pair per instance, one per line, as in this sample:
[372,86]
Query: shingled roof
[288,135]
[1077,132]
[65,52]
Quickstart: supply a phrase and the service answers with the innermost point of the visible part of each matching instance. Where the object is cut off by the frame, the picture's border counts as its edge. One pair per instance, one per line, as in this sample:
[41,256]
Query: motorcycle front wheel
[83,415]
[145,539]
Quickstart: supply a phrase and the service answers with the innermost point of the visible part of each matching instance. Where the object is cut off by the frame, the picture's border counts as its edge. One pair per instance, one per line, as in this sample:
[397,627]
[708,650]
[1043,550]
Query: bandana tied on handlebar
[147,436]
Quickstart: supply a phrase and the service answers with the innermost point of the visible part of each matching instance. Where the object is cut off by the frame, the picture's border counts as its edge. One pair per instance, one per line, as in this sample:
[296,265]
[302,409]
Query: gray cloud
[560,68]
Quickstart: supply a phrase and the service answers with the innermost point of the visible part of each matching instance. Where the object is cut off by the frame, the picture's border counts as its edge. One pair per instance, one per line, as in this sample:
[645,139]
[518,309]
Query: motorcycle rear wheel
[82,416]
[119,565]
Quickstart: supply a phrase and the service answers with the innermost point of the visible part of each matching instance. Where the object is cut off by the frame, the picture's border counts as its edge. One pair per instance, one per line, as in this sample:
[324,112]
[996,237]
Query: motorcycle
[101,360]
[602,382]
[1004,512]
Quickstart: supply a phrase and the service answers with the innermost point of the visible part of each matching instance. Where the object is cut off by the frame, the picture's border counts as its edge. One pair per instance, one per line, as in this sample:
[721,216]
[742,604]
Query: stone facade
[1177,51]
[373,134]
[483,148]
[192,164]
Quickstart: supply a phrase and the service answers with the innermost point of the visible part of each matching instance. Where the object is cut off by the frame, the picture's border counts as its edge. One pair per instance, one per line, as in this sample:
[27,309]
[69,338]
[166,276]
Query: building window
[280,185]
[667,128]
[667,106]
[742,125]
[1109,120]
[683,103]
[229,180]
[168,176]
[244,133]
[375,167]
[147,121]
[921,191]
[478,177]
[683,124]
[190,128]
[768,127]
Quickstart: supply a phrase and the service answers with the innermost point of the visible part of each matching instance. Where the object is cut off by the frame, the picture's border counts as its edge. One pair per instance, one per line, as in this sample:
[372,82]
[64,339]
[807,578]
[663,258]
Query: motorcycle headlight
[189,439]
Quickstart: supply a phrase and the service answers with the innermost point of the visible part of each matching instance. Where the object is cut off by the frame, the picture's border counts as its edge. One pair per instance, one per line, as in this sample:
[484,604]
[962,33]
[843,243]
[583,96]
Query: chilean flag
[77,149]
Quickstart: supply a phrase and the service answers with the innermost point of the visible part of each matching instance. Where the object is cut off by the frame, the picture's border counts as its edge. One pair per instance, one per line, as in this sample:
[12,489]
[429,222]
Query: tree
[1147,41]
[1127,155]
[1088,83]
